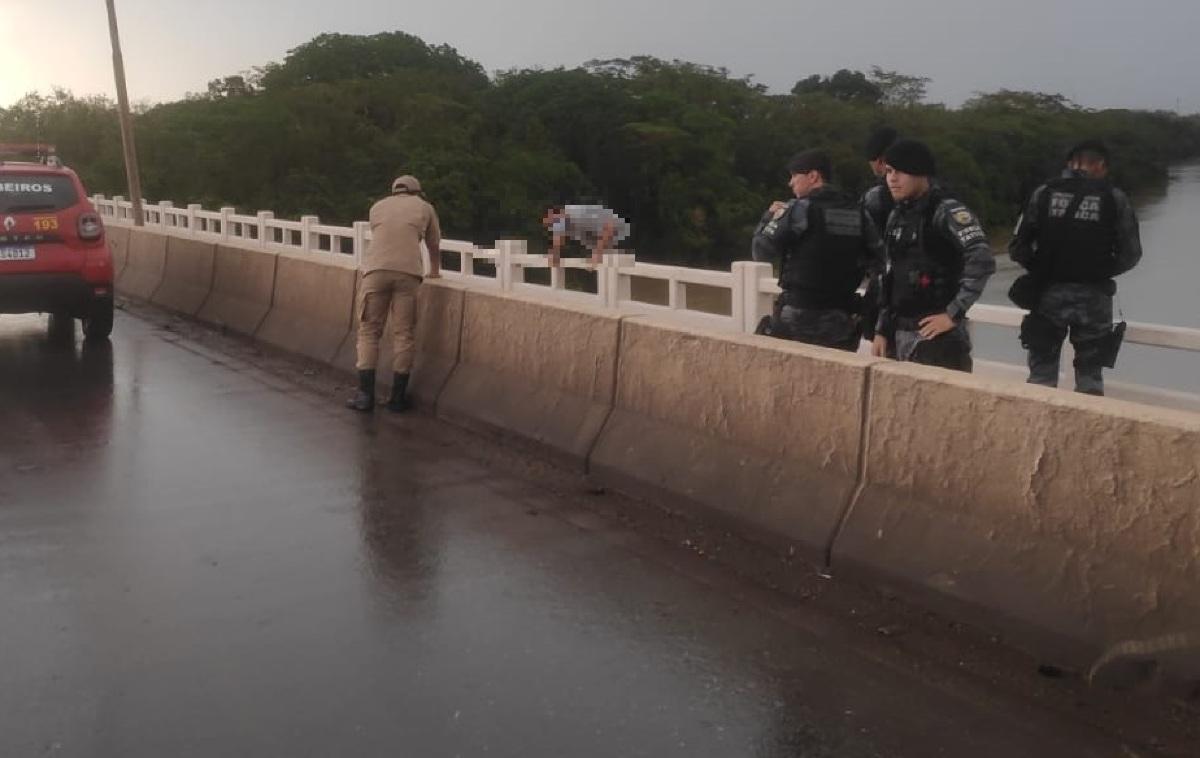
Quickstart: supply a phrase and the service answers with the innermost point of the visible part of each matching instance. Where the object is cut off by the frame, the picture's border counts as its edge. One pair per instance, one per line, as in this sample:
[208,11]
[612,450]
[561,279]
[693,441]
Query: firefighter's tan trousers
[385,293]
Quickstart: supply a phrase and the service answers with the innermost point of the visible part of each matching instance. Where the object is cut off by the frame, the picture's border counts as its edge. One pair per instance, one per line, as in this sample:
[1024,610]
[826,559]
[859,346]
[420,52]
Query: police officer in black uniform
[1077,232]
[877,203]
[826,247]
[938,262]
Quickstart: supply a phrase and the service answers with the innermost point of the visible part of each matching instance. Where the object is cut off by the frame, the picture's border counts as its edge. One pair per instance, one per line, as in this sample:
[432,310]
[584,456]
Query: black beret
[1088,146]
[811,160]
[911,157]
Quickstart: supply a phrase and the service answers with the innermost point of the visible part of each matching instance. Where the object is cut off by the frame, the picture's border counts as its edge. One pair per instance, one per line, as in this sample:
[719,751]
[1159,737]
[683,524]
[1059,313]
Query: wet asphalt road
[200,558]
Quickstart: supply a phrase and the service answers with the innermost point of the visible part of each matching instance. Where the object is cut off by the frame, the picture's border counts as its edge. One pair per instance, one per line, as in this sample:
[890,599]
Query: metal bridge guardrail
[751,286]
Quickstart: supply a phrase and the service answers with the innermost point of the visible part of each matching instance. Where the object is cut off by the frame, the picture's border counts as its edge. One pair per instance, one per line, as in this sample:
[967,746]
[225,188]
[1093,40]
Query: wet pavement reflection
[200,558]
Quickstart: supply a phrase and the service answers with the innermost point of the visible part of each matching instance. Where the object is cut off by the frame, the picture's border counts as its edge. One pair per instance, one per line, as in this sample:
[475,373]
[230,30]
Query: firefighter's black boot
[364,399]
[398,403]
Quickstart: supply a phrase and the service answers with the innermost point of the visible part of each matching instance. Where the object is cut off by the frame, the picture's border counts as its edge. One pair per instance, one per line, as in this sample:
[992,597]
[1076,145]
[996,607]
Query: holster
[1026,291]
[1112,345]
[1038,332]
[947,350]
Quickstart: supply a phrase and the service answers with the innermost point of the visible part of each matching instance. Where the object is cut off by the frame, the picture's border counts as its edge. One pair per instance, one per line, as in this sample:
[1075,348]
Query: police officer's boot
[398,403]
[364,399]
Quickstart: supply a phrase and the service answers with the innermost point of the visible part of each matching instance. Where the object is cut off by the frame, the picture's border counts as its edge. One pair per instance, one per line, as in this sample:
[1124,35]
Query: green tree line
[688,153]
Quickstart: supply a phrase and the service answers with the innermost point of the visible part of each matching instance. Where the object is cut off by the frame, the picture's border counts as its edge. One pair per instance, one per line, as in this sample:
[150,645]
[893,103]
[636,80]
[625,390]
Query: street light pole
[132,174]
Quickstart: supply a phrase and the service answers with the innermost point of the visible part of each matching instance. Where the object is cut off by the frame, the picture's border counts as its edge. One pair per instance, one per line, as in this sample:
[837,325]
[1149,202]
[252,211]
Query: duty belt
[809,301]
[909,324]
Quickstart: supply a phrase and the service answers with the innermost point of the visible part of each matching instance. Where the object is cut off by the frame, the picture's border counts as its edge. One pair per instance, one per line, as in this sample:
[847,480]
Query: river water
[1161,290]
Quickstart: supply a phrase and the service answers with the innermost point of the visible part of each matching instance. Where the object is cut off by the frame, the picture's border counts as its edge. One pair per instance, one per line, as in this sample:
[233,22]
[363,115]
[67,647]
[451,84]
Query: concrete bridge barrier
[347,355]
[439,327]
[187,275]
[311,308]
[762,431]
[118,243]
[1072,522]
[440,308]
[243,286]
[144,265]
[540,372]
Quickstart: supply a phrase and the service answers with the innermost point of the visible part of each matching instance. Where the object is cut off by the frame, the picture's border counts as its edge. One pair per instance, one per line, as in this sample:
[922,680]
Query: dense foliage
[688,153]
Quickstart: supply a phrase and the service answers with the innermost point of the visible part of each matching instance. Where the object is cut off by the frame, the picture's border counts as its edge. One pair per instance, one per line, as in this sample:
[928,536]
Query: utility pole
[132,174]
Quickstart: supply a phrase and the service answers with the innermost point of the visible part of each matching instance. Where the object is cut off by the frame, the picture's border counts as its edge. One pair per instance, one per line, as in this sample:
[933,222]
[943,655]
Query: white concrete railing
[503,267]
[751,286]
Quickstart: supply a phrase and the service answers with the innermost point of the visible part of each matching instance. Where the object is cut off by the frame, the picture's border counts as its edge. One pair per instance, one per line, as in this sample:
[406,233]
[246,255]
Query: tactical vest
[1077,230]
[926,268]
[825,266]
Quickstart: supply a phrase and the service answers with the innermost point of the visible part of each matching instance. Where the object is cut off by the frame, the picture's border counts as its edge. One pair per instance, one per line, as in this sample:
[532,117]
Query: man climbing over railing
[1077,232]
[392,271]
[825,245]
[595,227]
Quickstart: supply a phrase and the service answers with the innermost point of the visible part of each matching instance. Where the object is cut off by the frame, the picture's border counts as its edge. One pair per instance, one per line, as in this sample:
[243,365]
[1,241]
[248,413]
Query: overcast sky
[1096,52]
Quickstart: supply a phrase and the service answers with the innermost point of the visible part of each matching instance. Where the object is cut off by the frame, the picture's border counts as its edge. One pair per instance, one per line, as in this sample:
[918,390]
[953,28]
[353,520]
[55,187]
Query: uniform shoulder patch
[964,225]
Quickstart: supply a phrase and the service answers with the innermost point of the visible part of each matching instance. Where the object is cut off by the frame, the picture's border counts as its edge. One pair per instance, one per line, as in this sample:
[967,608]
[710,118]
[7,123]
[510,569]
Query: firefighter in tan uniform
[391,273]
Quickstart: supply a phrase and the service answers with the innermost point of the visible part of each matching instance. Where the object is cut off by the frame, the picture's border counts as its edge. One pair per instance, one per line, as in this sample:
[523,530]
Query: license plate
[17,253]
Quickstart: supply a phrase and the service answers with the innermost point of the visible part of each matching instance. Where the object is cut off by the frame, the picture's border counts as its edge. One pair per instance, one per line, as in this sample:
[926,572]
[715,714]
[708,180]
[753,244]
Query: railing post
[226,212]
[609,283]
[117,200]
[619,287]
[163,207]
[193,222]
[466,265]
[506,251]
[746,304]
[263,230]
[676,295]
[361,228]
[604,283]
[306,225]
[558,276]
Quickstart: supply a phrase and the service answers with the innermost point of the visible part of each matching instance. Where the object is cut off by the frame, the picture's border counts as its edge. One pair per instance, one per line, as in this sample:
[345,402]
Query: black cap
[911,157]
[879,141]
[1093,146]
[811,160]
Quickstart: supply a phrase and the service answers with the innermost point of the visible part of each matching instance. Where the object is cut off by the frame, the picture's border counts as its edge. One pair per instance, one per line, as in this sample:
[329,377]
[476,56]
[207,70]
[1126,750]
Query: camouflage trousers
[1081,311]
[827,327]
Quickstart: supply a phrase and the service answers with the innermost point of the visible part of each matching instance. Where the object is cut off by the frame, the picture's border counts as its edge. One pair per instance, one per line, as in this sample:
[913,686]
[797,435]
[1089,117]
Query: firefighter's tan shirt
[398,224]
